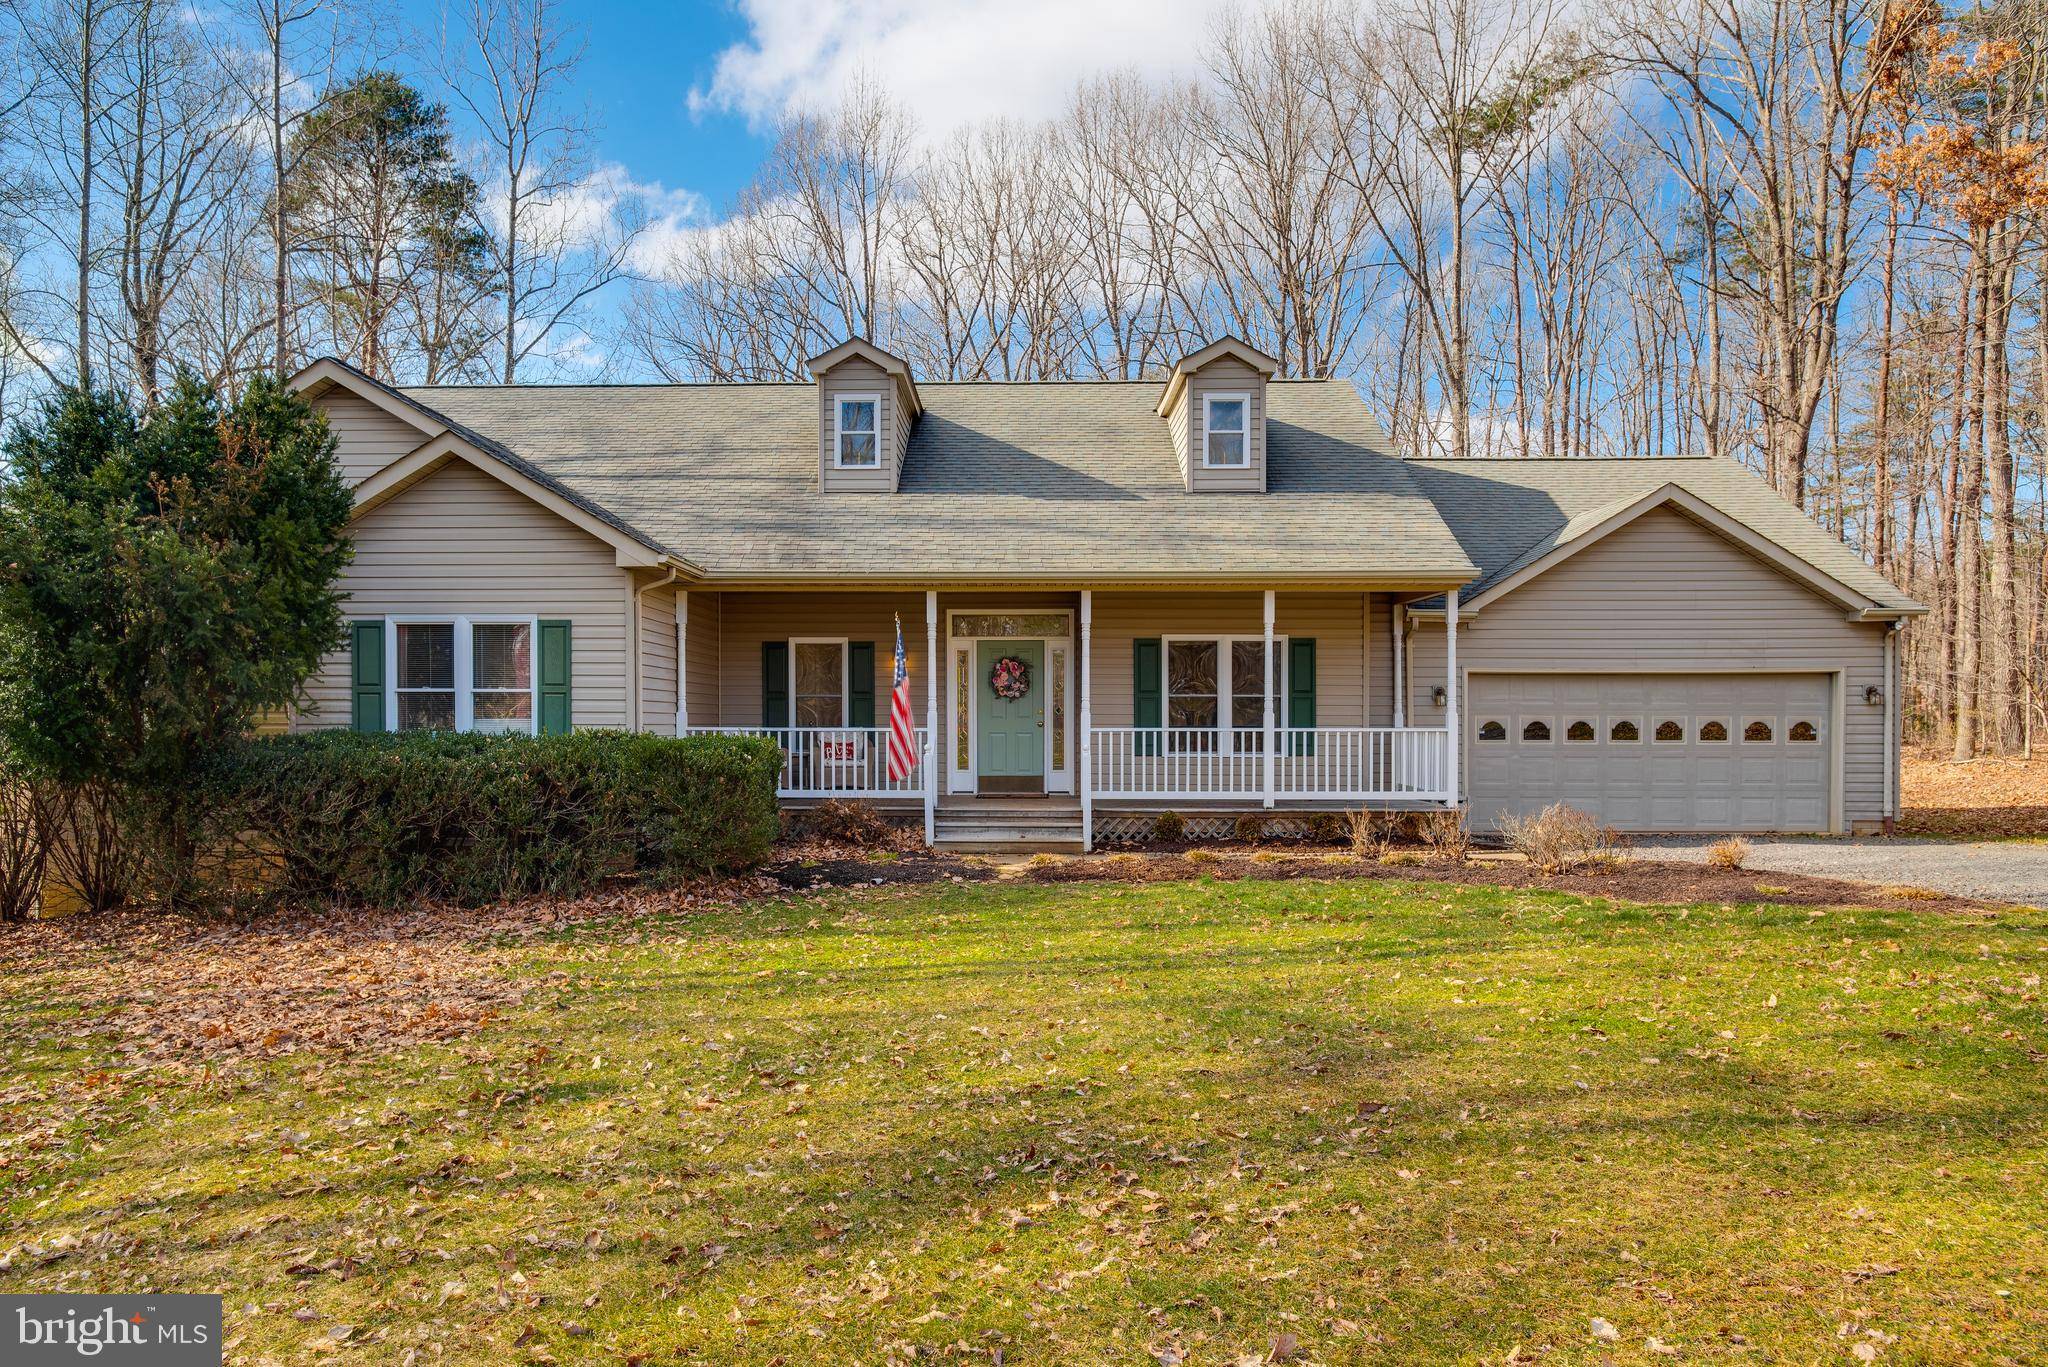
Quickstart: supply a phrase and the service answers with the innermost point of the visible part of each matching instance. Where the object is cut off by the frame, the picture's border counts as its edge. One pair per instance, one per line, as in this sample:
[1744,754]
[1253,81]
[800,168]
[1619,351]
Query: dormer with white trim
[1214,404]
[867,403]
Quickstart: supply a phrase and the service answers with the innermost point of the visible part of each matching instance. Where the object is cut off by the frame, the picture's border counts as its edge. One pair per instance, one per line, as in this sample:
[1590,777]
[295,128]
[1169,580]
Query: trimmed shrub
[1169,828]
[382,819]
[1251,828]
[1327,828]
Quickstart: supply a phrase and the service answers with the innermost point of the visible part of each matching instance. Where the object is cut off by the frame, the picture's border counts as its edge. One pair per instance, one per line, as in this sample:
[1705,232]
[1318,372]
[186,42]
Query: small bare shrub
[1369,835]
[1445,834]
[1327,828]
[89,853]
[24,847]
[1169,828]
[1728,854]
[1560,838]
[844,821]
[1251,828]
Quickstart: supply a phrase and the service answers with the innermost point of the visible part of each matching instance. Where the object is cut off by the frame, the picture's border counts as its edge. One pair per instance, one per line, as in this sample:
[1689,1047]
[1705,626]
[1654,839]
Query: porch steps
[1008,827]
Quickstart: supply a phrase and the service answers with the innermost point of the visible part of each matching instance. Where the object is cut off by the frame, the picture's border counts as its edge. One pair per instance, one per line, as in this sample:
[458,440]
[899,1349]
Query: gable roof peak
[1234,348]
[890,364]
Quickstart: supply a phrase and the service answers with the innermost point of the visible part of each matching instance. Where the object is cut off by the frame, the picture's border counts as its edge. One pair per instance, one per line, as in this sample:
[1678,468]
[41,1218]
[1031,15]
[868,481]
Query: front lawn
[1097,1123]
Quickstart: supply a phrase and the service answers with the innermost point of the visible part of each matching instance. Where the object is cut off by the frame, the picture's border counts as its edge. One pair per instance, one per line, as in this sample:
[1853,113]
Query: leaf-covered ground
[1095,1123]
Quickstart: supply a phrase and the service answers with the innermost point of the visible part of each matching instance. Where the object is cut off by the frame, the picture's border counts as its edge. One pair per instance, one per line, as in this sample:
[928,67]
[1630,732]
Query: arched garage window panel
[1714,732]
[1803,733]
[1670,732]
[1492,730]
[1758,732]
[1536,731]
[1626,730]
[1581,732]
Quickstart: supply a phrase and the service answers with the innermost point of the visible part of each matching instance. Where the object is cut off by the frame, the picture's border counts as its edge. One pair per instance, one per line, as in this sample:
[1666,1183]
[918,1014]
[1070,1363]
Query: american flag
[902,736]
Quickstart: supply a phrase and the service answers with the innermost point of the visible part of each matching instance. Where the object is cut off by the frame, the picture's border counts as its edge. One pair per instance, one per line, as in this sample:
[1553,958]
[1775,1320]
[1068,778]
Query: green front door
[1011,743]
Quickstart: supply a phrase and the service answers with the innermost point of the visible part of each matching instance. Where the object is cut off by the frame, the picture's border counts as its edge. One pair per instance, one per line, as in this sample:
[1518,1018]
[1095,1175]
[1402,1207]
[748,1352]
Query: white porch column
[1270,672]
[1400,625]
[682,661]
[1451,691]
[931,715]
[1086,778]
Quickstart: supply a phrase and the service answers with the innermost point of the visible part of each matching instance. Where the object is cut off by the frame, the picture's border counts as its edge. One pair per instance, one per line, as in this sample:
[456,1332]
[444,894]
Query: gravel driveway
[1999,871]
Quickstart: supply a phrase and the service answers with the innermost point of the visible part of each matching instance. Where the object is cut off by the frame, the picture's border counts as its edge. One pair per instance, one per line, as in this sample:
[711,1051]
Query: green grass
[1091,1123]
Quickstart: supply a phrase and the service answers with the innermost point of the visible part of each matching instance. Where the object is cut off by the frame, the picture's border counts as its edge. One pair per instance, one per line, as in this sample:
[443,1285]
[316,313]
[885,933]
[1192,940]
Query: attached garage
[1655,752]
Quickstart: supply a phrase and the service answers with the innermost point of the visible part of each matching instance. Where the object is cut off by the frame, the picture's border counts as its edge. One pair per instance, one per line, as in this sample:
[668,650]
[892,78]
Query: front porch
[1110,701]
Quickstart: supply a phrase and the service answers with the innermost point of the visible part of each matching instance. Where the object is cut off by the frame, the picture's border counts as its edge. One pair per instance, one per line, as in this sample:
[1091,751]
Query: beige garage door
[1653,752]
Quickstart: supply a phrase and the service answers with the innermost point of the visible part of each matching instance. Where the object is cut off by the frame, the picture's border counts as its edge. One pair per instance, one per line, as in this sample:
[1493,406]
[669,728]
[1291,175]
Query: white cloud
[950,62]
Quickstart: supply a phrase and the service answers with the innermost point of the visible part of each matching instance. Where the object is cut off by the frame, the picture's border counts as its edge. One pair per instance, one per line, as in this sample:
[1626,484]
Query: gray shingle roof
[1509,513]
[1053,481]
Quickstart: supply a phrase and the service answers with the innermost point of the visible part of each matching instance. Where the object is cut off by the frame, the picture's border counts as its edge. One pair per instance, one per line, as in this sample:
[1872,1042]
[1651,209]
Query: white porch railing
[833,761]
[1326,763]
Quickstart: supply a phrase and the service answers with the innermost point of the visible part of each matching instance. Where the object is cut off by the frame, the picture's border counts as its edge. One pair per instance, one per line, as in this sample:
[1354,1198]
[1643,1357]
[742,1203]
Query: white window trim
[465,664]
[845,677]
[1244,434]
[1224,695]
[840,431]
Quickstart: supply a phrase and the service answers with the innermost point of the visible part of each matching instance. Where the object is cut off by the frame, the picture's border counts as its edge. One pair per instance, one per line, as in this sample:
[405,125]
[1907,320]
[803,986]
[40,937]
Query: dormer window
[1226,431]
[857,434]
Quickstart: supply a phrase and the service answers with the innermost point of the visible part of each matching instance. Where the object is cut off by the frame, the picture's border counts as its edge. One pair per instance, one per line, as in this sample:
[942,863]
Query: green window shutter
[860,683]
[366,675]
[554,678]
[1147,681]
[1301,691]
[774,683]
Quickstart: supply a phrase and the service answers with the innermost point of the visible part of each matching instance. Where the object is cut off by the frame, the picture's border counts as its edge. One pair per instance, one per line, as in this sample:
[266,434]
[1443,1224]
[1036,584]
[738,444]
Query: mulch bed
[1635,880]
[829,870]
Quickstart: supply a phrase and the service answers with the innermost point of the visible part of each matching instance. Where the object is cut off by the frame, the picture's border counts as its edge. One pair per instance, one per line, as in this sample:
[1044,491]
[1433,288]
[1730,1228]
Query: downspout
[634,721]
[682,648]
[1400,634]
[1891,727]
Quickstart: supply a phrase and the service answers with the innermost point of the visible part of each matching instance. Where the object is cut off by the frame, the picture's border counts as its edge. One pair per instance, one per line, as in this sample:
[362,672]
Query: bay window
[462,674]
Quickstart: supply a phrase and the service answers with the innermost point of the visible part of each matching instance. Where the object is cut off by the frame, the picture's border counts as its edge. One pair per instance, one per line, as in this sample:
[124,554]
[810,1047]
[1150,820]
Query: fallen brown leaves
[1980,798]
[319,980]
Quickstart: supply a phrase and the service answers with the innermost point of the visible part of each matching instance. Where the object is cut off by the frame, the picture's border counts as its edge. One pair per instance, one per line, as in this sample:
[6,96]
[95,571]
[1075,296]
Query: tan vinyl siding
[751,618]
[1177,429]
[366,438]
[1666,594]
[859,377]
[1379,692]
[705,658]
[1225,377]
[1335,620]
[658,661]
[459,541]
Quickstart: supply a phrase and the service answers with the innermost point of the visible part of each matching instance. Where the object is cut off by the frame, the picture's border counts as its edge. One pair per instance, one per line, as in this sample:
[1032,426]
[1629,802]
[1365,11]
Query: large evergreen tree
[164,580]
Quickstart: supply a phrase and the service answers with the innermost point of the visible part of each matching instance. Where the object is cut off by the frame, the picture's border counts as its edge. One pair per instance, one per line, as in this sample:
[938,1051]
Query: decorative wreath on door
[1010,678]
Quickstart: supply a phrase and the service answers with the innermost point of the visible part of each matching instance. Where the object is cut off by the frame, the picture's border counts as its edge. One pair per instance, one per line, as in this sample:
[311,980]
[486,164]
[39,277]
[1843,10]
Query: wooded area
[1811,235]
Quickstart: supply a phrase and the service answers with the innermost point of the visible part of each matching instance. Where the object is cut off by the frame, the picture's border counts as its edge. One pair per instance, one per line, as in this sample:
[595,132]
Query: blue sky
[640,63]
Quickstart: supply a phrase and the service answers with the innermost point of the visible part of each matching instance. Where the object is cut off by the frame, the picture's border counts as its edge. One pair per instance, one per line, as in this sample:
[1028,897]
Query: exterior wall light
[1873,695]
[1439,695]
